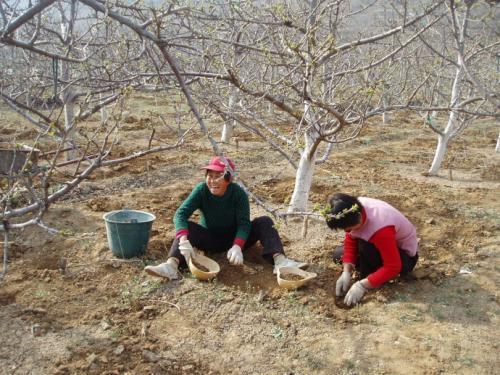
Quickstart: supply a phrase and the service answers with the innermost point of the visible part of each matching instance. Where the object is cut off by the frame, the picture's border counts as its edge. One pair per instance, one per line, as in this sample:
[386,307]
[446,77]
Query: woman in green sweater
[224,224]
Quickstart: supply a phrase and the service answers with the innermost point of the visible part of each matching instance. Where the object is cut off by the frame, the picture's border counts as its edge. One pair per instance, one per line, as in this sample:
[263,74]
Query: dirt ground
[68,306]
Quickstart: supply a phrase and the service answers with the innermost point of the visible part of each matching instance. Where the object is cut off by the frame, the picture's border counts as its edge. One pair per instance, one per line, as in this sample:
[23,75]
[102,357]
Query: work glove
[343,283]
[235,256]
[186,250]
[167,270]
[355,294]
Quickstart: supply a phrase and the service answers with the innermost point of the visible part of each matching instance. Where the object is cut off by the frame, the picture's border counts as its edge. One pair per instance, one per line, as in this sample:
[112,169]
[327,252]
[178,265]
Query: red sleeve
[350,249]
[181,232]
[240,242]
[385,241]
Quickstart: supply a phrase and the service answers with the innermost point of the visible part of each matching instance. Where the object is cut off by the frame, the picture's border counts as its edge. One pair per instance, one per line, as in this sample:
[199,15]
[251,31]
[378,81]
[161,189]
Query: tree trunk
[70,128]
[445,137]
[227,130]
[303,182]
[104,113]
[270,106]
[305,171]
[497,148]
[439,154]
[386,117]
[68,99]
[303,177]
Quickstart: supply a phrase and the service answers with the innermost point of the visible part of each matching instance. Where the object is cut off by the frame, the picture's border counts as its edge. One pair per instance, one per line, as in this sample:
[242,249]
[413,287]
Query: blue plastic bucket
[128,232]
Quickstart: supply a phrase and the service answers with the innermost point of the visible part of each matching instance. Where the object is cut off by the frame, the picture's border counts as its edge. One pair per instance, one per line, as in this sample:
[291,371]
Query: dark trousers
[262,229]
[369,259]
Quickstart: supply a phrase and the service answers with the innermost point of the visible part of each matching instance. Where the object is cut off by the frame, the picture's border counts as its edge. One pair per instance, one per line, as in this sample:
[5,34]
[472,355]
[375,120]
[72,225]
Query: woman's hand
[235,256]
[355,294]
[186,249]
[343,283]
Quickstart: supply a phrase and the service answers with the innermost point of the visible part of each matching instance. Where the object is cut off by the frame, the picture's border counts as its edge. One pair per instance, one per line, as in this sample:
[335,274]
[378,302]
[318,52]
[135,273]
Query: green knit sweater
[220,215]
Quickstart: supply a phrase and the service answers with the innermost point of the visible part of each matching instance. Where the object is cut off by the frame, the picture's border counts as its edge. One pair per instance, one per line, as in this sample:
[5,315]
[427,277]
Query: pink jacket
[380,214]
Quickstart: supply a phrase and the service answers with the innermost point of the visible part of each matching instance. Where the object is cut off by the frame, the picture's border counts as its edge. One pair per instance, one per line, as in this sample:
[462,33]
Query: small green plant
[116,333]
[408,318]
[67,232]
[292,296]
[315,363]
[349,364]
[401,297]
[366,141]
[438,314]
[41,293]
[15,198]
[77,342]
[218,294]
[467,361]
[139,288]
[277,333]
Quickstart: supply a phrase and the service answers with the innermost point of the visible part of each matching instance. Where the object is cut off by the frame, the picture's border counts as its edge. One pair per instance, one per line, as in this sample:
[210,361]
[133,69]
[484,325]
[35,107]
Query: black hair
[344,211]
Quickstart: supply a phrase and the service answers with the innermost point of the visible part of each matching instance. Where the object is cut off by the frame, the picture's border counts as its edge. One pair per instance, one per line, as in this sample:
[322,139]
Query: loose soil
[67,306]
[291,277]
[200,267]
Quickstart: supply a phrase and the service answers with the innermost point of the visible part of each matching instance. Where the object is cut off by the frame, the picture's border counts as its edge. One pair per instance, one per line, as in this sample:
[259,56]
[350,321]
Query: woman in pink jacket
[380,243]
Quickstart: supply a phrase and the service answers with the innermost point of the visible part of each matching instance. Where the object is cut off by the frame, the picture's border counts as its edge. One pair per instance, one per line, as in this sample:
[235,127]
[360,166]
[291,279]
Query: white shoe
[166,270]
[283,261]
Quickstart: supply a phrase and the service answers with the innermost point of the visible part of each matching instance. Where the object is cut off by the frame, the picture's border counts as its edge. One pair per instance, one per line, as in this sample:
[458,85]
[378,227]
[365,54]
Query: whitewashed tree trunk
[453,120]
[386,117]
[497,148]
[104,113]
[230,123]
[68,94]
[227,130]
[68,99]
[445,137]
[270,106]
[305,170]
[439,154]
[303,178]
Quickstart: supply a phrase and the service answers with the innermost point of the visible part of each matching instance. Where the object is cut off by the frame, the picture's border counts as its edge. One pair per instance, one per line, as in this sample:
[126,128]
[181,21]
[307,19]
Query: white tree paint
[305,170]
[229,124]
[68,94]
[451,128]
[303,176]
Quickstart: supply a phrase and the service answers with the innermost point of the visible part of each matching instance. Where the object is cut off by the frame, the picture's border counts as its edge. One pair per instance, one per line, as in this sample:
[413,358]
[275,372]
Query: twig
[168,303]
[124,260]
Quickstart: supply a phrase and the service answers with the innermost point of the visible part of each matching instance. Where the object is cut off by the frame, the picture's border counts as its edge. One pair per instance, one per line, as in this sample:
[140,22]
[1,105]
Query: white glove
[355,294]
[186,249]
[343,283]
[235,256]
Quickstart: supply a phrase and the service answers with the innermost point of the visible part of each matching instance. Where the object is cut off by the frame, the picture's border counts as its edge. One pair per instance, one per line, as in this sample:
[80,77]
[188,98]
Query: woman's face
[216,183]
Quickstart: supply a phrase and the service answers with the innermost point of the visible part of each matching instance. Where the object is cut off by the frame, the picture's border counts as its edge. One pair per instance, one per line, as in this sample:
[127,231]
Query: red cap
[216,164]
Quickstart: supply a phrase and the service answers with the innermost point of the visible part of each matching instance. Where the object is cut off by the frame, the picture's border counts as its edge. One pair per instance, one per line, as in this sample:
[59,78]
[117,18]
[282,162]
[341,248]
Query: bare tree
[469,97]
[325,67]
[321,74]
[78,63]
[453,72]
